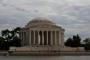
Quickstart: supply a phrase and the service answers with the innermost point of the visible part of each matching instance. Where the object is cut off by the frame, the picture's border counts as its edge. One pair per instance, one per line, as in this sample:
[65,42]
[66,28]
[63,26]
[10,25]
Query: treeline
[75,41]
[10,38]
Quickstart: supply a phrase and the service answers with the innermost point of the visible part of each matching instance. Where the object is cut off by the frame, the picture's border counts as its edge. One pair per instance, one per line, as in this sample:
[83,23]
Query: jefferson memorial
[41,35]
[42,32]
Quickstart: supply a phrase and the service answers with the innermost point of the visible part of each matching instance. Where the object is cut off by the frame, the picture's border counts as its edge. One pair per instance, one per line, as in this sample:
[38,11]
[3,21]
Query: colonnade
[34,37]
[44,37]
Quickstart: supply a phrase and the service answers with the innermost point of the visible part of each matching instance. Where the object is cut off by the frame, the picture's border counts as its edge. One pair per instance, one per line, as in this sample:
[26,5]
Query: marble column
[47,37]
[27,37]
[38,38]
[34,38]
[30,37]
[51,41]
[42,38]
[55,38]
[59,38]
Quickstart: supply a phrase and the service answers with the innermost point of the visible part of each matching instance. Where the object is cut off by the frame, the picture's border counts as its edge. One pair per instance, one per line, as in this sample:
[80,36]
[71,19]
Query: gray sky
[73,15]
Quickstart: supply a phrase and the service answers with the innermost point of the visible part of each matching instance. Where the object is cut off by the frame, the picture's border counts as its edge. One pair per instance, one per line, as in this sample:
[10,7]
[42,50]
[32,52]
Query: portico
[43,37]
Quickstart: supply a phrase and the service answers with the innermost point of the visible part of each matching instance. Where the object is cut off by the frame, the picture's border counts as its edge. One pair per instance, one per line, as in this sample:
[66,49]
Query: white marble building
[40,36]
[42,32]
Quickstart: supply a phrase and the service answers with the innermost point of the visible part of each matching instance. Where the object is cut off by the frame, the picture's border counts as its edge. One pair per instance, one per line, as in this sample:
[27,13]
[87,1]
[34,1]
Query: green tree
[16,41]
[3,44]
[17,30]
[1,41]
[74,41]
[68,42]
[86,40]
[87,44]
[11,38]
[5,34]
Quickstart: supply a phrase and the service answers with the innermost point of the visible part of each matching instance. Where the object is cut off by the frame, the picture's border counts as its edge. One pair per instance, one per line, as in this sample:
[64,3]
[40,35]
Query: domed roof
[40,20]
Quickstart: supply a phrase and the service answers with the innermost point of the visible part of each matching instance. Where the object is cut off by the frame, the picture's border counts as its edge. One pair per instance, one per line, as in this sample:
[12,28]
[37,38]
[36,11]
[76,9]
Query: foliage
[6,34]
[16,42]
[68,42]
[73,42]
[10,38]
[87,44]
[3,44]
[86,40]
[15,31]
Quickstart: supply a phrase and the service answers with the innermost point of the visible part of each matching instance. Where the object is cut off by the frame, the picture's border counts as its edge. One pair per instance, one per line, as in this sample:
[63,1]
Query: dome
[40,20]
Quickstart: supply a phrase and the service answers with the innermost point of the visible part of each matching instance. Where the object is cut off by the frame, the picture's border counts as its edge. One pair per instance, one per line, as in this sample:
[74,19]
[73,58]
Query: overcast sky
[72,15]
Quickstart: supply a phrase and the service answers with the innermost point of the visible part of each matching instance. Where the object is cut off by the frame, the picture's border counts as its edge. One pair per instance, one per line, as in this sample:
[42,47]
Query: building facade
[41,32]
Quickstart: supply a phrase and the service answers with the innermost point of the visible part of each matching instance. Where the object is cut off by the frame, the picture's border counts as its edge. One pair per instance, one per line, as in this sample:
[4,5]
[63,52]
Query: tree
[86,40]
[87,44]
[68,42]
[74,41]
[16,31]
[16,42]
[5,34]
[3,44]
[10,38]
